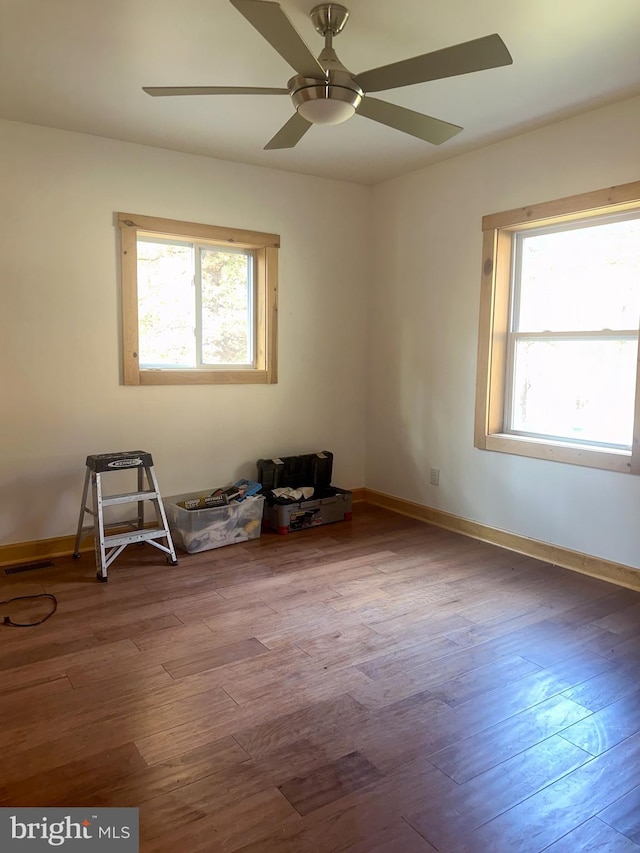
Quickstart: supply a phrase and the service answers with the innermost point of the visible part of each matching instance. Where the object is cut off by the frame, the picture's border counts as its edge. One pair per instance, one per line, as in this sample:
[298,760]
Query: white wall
[423,338]
[61,396]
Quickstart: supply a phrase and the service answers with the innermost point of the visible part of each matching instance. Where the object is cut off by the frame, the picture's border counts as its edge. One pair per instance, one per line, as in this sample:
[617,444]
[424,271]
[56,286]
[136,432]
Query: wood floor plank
[93,658]
[15,658]
[39,747]
[474,755]
[403,732]
[457,812]
[193,635]
[497,790]
[606,687]
[395,838]
[58,699]
[470,685]
[503,702]
[473,634]
[415,656]
[330,782]
[301,623]
[358,829]
[312,720]
[220,656]
[376,695]
[612,724]
[546,643]
[80,782]
[324,645]
[224,830]
[623,621]
[309,683]
[321,573]
[13,703]
[624,815]
[176,772]
[396,793]
[168,647]
[625,649]
[139,628]
[449,725]
[253,726]
[563,805]
[614,600]
[594,836]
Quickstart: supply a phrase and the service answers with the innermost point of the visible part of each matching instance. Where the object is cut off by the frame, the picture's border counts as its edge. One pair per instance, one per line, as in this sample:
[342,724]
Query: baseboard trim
[358,495]
[585,564]
[40,549]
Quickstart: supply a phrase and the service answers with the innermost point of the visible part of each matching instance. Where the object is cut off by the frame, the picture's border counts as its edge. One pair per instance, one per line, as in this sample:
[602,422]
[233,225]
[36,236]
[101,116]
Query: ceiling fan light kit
[325,92]
[325,106]
[330,102]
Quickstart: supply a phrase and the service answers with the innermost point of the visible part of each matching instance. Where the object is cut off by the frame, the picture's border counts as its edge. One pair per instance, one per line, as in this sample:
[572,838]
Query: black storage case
[327,505]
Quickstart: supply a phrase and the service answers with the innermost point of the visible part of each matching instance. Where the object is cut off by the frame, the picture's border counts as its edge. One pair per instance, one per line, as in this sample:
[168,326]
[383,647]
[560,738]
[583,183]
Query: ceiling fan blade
[476,55]
[432,130]
[290,134]
[273,25]
[166,91]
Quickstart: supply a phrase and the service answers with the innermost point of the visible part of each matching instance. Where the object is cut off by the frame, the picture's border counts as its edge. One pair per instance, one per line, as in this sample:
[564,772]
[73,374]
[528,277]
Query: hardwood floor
[379,686]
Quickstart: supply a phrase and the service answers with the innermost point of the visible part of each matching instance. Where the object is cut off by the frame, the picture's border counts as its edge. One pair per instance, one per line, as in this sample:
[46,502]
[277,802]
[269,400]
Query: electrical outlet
[435,477]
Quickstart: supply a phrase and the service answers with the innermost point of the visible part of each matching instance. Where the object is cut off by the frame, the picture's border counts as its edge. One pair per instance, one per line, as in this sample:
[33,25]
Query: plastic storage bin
[203,529]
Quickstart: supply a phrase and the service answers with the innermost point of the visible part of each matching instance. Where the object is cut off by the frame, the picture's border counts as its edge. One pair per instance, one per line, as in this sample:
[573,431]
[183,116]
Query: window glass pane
[227,296]
[575,389]
[166,304]
[587,278]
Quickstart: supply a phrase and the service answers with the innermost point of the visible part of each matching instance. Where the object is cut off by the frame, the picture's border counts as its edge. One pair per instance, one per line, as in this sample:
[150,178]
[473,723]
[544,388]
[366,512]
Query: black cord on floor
[8,621]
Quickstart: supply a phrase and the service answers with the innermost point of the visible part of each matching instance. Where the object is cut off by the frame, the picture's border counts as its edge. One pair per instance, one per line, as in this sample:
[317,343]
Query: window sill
[204,377]
[558,451]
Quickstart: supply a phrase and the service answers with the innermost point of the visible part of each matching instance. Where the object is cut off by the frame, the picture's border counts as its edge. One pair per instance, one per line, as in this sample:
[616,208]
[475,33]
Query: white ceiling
[80,64]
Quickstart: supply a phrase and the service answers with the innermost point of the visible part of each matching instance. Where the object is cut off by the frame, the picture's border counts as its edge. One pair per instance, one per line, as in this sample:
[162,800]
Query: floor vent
[29,567]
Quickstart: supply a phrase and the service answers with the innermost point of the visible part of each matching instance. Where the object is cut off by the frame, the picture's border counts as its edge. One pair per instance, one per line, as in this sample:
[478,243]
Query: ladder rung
[137,536]
[125,522]
[131,523]
[129,497]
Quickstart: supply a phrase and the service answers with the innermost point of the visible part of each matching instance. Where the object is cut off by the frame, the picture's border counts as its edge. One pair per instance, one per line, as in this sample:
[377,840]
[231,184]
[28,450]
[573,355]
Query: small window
[558,344]
[199,303]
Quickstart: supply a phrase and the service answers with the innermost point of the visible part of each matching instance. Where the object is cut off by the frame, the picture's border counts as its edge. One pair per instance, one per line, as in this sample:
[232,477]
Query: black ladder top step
[102,462]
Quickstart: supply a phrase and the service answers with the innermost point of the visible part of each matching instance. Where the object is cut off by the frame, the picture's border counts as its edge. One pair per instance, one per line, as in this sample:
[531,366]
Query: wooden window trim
[265,248]
[498,232]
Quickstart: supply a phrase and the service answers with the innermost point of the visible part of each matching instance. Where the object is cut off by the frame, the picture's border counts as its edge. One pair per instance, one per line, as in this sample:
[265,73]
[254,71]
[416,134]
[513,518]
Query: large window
[558,344]
[199,303]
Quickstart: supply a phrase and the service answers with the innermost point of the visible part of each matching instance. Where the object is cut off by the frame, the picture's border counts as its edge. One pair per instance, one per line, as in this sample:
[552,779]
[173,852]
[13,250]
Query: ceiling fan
[323,91]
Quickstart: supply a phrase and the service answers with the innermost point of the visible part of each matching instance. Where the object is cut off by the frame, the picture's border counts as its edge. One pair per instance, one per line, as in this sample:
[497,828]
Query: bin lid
[308,469]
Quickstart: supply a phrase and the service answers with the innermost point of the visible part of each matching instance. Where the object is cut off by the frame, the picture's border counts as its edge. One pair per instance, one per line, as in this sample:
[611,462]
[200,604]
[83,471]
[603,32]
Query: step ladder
[108,547]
